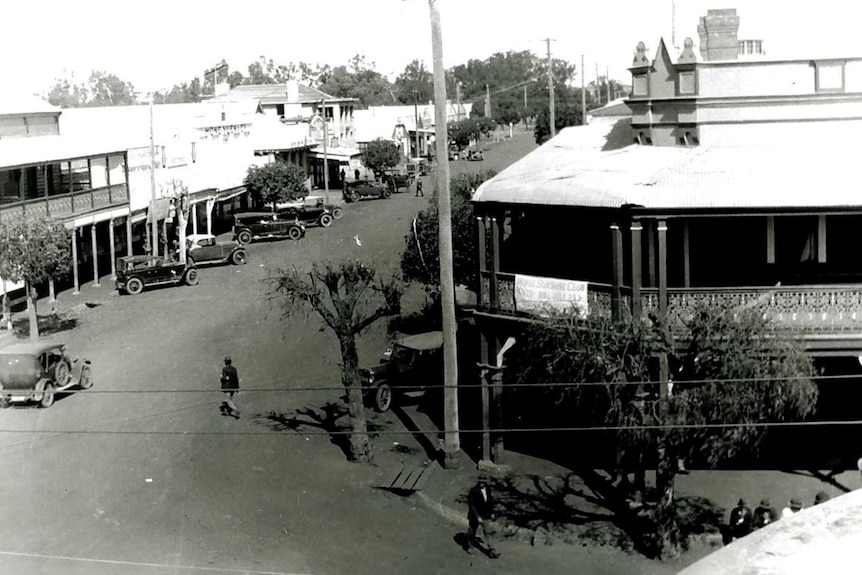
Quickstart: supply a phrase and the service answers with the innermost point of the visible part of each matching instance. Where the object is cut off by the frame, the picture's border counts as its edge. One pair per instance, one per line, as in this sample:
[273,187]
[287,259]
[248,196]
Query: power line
[435,431]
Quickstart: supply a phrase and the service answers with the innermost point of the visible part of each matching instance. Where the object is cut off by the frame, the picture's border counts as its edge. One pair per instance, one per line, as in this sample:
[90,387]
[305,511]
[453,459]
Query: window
[686,83]
[639,86]
[829,76]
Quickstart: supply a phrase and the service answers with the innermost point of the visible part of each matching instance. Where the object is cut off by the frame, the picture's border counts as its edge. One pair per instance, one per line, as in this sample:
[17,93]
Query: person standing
[793,507]
[356,174]
[479,507]
[764,514]
[342,174]
[740,520]
[230,386]
[419,187]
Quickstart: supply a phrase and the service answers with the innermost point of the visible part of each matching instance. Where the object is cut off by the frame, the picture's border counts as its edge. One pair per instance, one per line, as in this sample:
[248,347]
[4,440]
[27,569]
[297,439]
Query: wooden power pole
[451,439]
[551,89]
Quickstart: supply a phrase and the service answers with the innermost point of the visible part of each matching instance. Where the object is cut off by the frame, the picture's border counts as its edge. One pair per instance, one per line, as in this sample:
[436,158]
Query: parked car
[353,191]
[309,211]
[418,167]
[475,155]
[35,371]
[134,273]
[454,152]
[315,202]
[413,364]
[250,226]
[397,180]
[205,249]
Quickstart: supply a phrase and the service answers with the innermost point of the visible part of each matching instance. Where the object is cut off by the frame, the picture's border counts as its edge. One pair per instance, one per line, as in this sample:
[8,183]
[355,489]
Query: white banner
[546,295]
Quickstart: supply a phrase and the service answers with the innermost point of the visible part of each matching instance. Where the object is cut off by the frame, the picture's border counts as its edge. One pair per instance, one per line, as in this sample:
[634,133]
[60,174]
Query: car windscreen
[19,369]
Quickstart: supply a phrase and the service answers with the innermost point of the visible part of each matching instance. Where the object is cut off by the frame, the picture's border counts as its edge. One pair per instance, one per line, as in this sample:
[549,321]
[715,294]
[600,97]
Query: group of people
[743,521]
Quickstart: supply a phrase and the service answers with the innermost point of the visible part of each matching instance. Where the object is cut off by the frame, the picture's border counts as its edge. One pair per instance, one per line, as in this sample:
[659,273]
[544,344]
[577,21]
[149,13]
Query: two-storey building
[732,183]
[77,178]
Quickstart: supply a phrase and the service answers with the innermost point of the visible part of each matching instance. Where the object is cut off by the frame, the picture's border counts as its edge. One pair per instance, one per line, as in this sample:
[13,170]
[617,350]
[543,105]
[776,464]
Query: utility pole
[583,94]
[325,159]
[487,101]
[154,233]
[598,87]
[451,439]
[416,119]
[608,80]
[553,120]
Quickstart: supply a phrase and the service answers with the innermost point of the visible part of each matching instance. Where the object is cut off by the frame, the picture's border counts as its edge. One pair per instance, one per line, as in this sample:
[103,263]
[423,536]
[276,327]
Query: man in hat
[230,386]
[821,497]
[764,514]
[479,507]
[740,520]
[793,507]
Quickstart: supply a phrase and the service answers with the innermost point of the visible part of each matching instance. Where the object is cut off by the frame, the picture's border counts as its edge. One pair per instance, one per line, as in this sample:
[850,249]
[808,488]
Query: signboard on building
[544,296]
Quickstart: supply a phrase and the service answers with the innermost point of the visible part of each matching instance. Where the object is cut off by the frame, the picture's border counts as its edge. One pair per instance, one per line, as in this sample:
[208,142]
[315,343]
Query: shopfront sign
[546,296]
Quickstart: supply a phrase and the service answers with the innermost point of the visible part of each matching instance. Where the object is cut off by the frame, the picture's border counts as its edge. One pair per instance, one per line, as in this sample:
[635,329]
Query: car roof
[35,348]
[254,214]
[138,258]
[422,341]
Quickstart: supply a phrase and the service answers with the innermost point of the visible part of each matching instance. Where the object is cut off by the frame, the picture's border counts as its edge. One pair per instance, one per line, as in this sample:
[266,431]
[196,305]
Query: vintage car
[136,272]
[36,371]
[397,180]
[205,249]
[353,191]
[250,226]
[475,155]
[309,212]
[412,365]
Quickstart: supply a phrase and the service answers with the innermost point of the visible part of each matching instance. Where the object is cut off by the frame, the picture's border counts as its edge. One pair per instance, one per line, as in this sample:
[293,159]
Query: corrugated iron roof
[594,166]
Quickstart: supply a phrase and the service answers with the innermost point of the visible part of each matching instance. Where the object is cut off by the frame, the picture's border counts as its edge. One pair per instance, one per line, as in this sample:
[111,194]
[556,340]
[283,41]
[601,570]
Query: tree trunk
[667,535]
[31,311]
[360,448]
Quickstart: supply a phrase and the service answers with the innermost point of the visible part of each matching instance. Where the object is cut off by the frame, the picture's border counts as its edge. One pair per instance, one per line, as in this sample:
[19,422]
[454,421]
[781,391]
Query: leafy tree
[415,82]
[380,155]
[34,250]
[101,89]
[565,114]
[185,93]
[267,71]
[276,182]
[420,260]
[357,80]
[731,371]
[349,297]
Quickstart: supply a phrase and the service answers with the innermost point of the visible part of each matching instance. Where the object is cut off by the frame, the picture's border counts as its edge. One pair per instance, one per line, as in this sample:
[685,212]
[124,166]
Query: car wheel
[386,194]
[325,220]
[239,257]
[244,237]
[61,373]
[48,396]
[134,286]
[86,381]
[294,233]
[191,278]
[337,213]
[354,197]
[383,397]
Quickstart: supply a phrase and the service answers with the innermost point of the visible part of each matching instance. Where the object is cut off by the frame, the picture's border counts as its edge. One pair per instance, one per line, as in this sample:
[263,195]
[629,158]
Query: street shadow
[586,507]
[48,325]
[331,418]
[431,451]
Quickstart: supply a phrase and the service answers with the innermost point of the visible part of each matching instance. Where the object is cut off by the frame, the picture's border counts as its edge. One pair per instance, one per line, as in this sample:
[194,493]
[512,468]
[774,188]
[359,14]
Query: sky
[159,43]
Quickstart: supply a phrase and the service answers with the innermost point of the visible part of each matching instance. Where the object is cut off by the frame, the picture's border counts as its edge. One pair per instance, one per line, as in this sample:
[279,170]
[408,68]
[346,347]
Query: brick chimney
[292,91]
[717,31]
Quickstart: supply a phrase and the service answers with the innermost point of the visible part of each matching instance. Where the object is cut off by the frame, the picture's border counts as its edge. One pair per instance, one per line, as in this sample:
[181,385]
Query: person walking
[479,507]
[419,187]
[230,386]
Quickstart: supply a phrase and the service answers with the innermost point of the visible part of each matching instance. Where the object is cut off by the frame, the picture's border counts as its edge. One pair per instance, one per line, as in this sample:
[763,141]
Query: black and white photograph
[415,287]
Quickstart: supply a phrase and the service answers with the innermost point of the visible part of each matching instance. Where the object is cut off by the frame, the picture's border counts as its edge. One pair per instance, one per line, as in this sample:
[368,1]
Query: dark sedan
[354,191]
[205,249]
